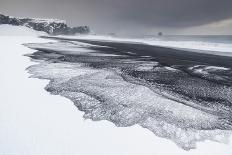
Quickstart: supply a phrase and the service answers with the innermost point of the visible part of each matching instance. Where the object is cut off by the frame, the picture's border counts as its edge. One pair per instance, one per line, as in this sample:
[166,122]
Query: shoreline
[33,121]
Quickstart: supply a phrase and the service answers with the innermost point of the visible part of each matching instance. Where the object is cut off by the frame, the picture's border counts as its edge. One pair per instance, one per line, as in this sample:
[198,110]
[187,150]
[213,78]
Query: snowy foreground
[34,122]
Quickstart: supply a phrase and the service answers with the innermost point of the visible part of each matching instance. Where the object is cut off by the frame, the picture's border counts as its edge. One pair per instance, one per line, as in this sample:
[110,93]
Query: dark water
[180,95]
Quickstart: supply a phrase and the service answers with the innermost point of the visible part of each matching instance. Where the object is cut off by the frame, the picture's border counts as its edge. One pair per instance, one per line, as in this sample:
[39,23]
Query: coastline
[34,122]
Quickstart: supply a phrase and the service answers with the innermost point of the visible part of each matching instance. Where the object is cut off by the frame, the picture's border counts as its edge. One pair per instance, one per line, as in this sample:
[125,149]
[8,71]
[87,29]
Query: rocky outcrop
[50,26]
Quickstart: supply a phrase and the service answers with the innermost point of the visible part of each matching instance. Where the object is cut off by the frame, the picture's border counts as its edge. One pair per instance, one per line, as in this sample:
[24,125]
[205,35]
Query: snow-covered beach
[34,122]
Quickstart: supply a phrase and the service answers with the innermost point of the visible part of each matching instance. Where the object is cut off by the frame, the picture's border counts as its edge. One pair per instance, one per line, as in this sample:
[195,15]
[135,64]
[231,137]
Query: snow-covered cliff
[50,26]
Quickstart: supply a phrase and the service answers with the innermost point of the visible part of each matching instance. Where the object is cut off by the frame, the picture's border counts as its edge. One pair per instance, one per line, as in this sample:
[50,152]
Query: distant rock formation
[160,34]
[50,26]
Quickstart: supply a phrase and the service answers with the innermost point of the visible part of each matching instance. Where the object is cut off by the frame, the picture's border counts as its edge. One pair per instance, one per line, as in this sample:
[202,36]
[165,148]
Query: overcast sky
[132,16]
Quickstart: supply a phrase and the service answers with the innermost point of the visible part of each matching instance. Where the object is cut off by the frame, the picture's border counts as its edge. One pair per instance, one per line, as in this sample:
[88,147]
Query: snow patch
[10,30]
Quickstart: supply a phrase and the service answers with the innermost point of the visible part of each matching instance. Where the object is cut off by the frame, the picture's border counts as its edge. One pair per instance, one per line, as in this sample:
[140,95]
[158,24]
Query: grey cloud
[114,14]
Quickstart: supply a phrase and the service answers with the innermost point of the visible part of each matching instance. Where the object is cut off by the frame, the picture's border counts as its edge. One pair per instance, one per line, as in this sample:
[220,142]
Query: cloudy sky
[132,16]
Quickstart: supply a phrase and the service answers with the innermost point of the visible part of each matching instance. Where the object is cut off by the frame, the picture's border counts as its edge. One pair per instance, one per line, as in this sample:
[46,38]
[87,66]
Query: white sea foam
[197,46]
[205,70]
[193,45]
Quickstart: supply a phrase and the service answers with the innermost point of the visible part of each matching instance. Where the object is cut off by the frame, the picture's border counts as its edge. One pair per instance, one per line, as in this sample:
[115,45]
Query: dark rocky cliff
[50,26]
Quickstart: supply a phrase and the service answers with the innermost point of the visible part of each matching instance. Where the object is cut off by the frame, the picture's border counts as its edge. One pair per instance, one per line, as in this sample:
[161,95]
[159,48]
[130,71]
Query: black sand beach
[179,88]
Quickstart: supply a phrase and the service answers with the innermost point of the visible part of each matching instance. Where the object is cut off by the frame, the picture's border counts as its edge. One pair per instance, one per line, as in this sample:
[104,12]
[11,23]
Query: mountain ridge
[50,26]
